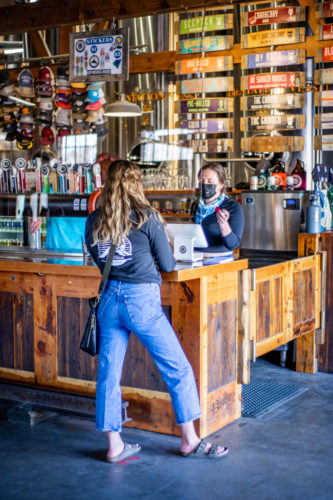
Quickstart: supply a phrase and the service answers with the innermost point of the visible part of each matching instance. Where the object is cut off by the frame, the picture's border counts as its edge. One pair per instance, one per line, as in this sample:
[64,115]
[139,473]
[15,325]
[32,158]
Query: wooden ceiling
[53,13]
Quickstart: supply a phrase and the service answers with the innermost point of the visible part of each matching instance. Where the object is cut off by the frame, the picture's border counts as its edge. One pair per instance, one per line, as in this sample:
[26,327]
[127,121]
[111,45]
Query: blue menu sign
[267,59]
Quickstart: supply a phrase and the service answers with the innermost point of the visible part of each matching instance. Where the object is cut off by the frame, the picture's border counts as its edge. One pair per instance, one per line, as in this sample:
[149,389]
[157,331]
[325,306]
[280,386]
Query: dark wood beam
[64,33]
[38,44]
[52,13]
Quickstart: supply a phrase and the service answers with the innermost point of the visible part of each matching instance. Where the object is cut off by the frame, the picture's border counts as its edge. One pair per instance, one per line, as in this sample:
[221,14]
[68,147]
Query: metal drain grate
[261,396]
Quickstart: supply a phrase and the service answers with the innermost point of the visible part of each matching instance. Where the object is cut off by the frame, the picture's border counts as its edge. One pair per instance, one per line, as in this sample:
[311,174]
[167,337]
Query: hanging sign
[198,85]
[323,142]
[324,121]
[273,16]
[209,126]
[222,105]
[206,23]
[326,32]
[326,10]
[274,101]
[209,145]
[273,37]
[268,59]
[204,65]
[99,55]
[324,98]
[326,54]
[324,76]
[272,144]
[273,81]
[272,122]
[206,44]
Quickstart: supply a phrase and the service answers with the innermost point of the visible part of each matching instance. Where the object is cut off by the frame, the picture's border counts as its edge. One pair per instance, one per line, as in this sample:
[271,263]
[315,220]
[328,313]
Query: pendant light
[123,108]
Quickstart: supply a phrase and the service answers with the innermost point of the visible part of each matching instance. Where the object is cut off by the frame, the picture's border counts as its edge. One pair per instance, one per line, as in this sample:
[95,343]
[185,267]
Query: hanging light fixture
[123,108]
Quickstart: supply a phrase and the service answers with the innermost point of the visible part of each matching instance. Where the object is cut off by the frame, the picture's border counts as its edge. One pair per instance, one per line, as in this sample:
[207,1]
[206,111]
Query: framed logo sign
[99,55]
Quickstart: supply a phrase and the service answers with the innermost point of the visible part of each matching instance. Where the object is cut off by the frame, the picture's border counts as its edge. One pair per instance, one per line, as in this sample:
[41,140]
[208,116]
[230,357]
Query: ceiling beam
[49,14]
[39,44]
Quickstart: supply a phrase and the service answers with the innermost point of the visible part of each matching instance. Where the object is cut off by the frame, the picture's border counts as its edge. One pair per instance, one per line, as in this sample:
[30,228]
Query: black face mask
[208,191]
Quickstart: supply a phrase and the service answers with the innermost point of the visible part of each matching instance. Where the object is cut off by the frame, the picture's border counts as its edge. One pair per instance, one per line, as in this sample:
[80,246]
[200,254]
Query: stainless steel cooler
[272,220]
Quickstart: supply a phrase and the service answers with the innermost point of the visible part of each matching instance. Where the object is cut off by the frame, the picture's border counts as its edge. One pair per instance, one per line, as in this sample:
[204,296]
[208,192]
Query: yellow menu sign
[273,37]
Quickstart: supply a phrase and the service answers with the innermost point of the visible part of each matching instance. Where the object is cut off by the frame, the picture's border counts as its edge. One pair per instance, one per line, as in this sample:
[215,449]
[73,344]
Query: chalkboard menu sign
[99,55]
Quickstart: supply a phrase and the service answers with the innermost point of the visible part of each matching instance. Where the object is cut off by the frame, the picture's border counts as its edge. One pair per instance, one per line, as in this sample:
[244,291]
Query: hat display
[25,82]
[93,95]
[95,115]
[46,136]
[63,117]
[4,78]
[63,71]
[7,90]
[95,86]
[78,85]
[45,74]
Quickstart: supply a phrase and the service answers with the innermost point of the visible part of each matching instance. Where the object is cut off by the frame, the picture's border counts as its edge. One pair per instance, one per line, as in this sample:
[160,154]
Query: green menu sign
[207,23]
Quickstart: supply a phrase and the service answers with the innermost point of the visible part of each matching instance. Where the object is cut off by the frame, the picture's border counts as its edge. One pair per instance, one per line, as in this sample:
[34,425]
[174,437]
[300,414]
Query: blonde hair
[122,192]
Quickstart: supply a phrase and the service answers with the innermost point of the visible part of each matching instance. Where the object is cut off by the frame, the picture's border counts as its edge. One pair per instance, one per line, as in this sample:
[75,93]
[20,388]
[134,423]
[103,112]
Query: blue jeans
[136,307]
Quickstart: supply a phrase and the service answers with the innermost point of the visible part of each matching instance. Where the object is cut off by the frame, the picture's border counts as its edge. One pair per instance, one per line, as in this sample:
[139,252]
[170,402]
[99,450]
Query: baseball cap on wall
[46,136]
[25,82]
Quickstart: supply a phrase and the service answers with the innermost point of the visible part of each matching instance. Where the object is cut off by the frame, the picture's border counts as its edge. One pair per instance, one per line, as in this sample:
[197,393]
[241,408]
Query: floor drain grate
[262,396]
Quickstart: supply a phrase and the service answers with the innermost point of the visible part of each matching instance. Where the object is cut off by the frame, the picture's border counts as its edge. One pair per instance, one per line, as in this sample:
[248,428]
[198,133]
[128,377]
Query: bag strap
[106,269]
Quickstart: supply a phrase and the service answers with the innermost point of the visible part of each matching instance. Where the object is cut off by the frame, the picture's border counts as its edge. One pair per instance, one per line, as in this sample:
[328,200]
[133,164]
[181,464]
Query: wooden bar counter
[224,316]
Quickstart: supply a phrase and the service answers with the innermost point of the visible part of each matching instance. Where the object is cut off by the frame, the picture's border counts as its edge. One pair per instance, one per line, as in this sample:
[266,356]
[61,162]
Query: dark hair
[217,167]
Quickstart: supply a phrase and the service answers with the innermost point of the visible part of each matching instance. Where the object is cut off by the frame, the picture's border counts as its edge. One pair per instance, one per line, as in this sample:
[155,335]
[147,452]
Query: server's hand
[35,224]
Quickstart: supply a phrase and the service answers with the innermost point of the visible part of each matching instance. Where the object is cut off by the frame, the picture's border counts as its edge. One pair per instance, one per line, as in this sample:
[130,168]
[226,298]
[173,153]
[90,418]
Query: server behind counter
[221,217]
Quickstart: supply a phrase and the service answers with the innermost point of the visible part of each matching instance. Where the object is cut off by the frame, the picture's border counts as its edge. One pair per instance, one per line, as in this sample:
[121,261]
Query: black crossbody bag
[89,339]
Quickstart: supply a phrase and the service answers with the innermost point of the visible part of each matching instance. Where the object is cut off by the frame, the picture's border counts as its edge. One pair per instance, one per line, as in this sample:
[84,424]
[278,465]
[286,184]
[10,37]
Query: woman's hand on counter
[35,224]
[222,217]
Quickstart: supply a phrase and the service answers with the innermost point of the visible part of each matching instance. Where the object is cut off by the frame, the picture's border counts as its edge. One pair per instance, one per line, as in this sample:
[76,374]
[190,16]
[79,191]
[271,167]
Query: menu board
[272,122]
[204,65]
[326,10]
[214,84]
[206,126]
[273,37]
[205,23]
[273,16]
[205,44]
[203,105]
[273,101]
[209,145]
[324,121]
[324,98]
[273,80]
[272,144]
[324,76]
[274,58]
[326,32]
[323,142]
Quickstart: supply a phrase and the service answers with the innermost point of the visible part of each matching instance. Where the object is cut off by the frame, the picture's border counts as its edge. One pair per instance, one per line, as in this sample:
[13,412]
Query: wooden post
[306,353]
[243,338]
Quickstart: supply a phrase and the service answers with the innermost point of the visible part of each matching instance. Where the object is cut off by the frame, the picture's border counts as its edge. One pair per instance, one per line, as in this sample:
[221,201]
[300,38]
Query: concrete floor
[286,454]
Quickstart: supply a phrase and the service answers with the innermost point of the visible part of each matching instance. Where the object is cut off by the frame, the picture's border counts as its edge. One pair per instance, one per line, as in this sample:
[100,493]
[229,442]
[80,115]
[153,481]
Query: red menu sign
[272,81]
[269,16]
[327,54]
[327,9]
[326,32]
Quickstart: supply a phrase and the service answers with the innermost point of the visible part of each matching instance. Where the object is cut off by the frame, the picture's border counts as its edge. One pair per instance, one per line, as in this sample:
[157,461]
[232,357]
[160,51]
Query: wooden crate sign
[273,37]
[198,85]
[209,126]
[272,144]
[274,101]
[324,98]
[326,32]
[326,10]
[324,76]
[274,15]
[272,122]
[323,142]
[224,105]
[204,65]
[273,81]
[205,23]
[326,54]
[206,44]
[324,121]
[268,59]
[209,145]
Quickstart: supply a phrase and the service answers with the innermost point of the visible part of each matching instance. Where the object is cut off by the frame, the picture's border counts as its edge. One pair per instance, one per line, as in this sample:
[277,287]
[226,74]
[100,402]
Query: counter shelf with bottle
[172,204]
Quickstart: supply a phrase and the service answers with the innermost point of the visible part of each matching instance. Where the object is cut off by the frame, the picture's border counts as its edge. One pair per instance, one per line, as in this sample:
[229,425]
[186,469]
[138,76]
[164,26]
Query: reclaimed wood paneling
[17,331]
[72,314]
[269,311]
[223,406]
[325,351]
[221,344]
[303,301]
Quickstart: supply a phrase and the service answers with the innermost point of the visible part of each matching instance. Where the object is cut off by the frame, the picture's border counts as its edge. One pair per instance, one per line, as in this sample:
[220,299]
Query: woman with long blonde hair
[131,303]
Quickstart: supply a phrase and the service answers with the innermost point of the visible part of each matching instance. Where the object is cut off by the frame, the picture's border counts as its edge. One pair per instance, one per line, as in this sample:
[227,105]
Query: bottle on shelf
[279,172]
[262,172]
[299,175]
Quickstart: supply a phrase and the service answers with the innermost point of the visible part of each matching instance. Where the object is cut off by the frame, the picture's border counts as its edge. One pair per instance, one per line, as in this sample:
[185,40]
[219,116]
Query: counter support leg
[306,353]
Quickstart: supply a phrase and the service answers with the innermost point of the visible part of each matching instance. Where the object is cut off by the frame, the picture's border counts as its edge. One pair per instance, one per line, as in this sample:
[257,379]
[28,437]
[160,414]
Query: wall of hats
[324,78]
[52,107]
[204,112]
[272,83]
